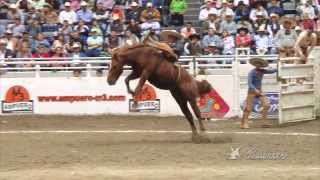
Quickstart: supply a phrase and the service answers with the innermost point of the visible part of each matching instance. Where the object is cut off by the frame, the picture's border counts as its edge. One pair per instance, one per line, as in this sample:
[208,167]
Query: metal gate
[297,91]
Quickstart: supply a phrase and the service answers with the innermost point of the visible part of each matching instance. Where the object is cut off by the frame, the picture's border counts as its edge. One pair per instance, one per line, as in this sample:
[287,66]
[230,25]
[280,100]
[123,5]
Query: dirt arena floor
[142,147]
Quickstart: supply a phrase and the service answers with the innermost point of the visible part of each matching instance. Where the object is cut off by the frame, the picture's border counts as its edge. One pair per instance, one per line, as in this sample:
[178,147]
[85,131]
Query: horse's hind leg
[196,111]
[185,110]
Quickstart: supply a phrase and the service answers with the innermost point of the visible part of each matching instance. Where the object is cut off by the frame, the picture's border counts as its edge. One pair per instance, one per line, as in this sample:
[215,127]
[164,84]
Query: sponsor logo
[212,105]
[146,100]
[72,99]
[273,112]
[254,153]
[17,99]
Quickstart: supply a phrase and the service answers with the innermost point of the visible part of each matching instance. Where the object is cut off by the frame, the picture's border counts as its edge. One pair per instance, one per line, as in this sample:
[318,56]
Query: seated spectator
[177,10]
[118,11]
[133,12]
[56,55]
[24,52]
[193,47]
[273,25]
[75,38]
[224,9]
[116,25]
[17,28]
[307,21]
[130,38]
[211,37]
[261,20]
[262,42]
[150,26]
[212,49]
[83,31]
[95,43]
[188,30]
[41,52]
[40,39]
[134,27]
[275,8]
[95,26]
[102,17]
[244,22]
[75,5]
[286,38]
[76,54]
[25,39]
[227,43]
[67,14]
[14,13]
[66,30]
[242,10]
[113,41]
[49,15]
[59,41]
[204,12]
[5,53]
[307,9]
[84,13]
[228,24]
[212,22]
[243,39]
[34,28]
[12,41]
[150,14]
[258,11]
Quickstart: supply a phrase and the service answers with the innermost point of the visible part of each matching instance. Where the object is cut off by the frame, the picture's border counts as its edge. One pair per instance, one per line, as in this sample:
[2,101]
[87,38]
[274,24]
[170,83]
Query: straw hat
[274,15]
[166,33]
[76,45]
[258,62]
[290,20]
[212,44]
[134,4]
[83,3]
[13,6]
[67,4]
[149,4]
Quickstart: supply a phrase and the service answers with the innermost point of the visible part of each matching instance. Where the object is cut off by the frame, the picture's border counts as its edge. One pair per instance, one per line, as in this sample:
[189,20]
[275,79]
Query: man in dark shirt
[255,77]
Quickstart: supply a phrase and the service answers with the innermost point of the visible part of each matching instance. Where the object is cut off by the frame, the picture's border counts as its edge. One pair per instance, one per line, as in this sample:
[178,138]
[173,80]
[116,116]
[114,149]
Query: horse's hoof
[200,138]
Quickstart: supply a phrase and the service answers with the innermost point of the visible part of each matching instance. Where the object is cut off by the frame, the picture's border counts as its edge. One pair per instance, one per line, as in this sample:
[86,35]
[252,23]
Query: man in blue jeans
[255,77]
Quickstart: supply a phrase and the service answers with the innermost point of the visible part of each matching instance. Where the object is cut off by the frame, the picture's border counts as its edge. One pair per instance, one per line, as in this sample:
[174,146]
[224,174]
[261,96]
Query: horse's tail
[203,87]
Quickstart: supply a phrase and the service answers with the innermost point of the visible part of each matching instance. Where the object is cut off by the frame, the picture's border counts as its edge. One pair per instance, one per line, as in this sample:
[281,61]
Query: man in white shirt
[203,16]
[67,14]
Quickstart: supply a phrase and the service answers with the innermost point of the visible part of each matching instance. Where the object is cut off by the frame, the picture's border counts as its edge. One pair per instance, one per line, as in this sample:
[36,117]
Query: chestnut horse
[149,63]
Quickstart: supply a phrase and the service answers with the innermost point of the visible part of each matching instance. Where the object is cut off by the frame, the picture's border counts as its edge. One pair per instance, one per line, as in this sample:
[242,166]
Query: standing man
[255,77]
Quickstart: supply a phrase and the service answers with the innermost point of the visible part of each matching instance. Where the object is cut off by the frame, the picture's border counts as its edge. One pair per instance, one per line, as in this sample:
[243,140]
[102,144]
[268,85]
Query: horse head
[116,69]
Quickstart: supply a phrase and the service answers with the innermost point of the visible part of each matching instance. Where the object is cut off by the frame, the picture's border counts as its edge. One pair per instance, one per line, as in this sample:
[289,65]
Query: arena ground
[143,147]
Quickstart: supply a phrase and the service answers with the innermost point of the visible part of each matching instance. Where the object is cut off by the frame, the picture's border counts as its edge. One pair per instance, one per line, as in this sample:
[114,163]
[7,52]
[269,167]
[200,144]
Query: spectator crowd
[93,28]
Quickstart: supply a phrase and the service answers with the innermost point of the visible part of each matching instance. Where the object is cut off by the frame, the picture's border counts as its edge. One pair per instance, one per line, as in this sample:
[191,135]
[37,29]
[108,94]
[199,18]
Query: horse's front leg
[133,75]
[143,78]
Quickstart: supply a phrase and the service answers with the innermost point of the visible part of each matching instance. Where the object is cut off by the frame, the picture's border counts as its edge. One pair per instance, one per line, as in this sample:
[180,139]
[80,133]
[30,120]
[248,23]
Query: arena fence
[53,89]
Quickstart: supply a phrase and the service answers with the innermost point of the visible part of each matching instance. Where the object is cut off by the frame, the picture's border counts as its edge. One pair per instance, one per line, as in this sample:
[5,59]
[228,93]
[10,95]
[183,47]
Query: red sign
[212,105]
[17,99]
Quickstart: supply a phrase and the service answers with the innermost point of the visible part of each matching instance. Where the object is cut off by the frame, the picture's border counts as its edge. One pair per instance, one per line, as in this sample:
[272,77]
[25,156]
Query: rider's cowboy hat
[289,20]
[258,62]
[166,33]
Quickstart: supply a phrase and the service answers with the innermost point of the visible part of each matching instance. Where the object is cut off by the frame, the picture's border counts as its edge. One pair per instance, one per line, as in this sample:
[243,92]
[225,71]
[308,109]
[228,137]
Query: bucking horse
[150,64]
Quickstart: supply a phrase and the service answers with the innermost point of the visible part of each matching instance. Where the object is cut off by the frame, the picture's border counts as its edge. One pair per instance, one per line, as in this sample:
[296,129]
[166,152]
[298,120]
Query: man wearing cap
[262,41]
[95,43]
[204,13]
[133,12]
[286,38]
[228,24]
[224,9]
[211,37]
[275,8]
[242,10]
[258,12]
[193,47]
[255,77]
[38,4]
[213,21]
[150,14]
[5,53]
[305,43]
[67,14]
[14,12]
[84,13]
[76,54]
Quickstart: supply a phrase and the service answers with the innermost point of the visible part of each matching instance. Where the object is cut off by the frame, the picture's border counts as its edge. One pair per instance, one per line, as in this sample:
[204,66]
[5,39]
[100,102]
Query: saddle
[163,47]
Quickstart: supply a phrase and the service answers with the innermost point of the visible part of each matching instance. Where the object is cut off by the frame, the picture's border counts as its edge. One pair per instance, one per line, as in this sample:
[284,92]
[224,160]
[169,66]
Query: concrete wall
[315,53]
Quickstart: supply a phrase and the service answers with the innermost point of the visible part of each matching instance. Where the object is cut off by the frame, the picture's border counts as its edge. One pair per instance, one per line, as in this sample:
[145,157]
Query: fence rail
[196,65]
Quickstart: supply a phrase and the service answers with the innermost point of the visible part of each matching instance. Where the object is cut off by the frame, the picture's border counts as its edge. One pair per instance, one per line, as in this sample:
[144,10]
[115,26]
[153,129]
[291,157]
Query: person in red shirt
[41,52]
[243,38]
